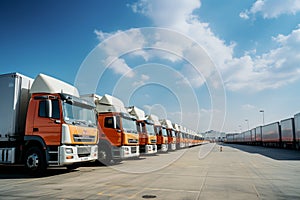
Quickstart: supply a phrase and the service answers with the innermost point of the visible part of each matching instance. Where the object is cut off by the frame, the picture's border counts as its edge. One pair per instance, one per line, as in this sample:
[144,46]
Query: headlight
[69,150]
[95,149]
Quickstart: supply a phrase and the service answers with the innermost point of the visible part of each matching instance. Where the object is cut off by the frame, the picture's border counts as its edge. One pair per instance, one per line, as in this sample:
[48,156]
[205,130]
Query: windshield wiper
[129,131]
[79,122]
[91,125]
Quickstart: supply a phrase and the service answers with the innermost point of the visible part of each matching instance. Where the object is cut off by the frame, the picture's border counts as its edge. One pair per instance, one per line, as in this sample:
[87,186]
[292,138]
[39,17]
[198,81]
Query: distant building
[214,136]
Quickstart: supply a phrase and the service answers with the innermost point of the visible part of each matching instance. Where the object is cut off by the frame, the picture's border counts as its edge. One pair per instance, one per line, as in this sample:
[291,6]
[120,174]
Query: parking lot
[202,172]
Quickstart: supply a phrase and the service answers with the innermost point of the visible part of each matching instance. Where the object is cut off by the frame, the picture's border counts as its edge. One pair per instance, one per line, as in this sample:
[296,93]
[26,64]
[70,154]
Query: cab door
[47,122]
[110,129]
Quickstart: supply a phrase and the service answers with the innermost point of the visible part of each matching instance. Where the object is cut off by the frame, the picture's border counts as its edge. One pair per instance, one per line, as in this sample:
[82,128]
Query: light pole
[247,123]
[240,128]
[263,116]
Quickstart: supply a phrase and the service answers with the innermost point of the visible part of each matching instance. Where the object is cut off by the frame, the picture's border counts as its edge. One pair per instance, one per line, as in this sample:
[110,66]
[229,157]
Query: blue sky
[215,64]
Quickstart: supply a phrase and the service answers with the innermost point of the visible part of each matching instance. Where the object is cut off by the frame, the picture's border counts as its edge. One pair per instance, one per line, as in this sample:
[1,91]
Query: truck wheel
[117,161]
[104,156]
[72,167]
[35,162]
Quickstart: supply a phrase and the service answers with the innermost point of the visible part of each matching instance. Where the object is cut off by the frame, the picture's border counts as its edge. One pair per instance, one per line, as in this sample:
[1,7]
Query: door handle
[56,121]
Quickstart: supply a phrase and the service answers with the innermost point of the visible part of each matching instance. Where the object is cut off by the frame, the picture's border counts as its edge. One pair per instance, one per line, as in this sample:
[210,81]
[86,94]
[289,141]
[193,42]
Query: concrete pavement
[202,172]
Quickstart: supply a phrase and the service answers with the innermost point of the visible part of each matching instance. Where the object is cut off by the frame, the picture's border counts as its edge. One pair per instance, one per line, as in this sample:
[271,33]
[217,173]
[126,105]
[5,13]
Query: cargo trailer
[44,123]
[271,135]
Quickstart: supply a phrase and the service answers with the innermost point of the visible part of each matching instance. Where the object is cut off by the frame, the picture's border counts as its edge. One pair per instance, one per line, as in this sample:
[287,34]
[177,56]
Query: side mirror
[114,122]
[48,108]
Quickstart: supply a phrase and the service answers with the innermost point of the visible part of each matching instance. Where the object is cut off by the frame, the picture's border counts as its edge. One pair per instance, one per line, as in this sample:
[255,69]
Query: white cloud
[119,66]
[178,15]
[141,82]
[272,8]
[119,43]
[102,35]
[248,107]
[244,15]
[273,69]
[191,76]
[164,12]
[145,77]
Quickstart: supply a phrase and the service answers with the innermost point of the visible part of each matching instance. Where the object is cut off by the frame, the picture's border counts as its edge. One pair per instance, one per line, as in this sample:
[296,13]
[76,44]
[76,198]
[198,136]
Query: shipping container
[247,137]
[297,130]
[258,138]
[253,135]
[287,132]
[271,135]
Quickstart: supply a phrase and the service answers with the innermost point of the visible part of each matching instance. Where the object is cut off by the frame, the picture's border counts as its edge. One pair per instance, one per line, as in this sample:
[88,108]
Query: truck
[253,136]
[171,134]
[248,137]
[146,131]
[190,137]
[258,135]
[183,139]
[287,133]
[239,138]
[230,137]
[161,134]
[118,138]
[45,123]
[271,135]
[179,137]
[297,130]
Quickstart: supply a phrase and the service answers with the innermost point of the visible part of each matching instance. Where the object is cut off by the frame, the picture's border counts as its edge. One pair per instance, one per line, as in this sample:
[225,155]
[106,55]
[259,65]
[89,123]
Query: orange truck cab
[119,139]
[45,123]
[179,138]
[191,137]
[146,131]
[170,133]
[183,139]
[161,134]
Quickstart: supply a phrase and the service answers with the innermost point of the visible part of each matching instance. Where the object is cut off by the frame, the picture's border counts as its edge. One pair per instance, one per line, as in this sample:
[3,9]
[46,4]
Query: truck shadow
[18,172]
[274,153]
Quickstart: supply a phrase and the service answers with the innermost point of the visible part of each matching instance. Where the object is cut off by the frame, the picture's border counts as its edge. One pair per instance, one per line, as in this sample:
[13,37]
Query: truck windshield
[164,132]
[150,129]
[129,125]
[173,133]
[79,115]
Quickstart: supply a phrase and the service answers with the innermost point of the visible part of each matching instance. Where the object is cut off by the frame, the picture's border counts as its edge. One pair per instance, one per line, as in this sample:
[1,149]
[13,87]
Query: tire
[104,156]
[72,167]
[35,162]
[117,161]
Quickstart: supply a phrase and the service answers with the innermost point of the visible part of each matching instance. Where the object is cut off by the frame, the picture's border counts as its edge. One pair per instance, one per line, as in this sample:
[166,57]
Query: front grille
[133,149]
[83,138]
[83,151]
[133,141]
[153,141]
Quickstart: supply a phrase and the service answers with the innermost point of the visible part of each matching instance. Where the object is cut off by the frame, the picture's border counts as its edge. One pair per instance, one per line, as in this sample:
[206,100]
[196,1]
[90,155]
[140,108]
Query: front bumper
[150,149]
[76,154]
